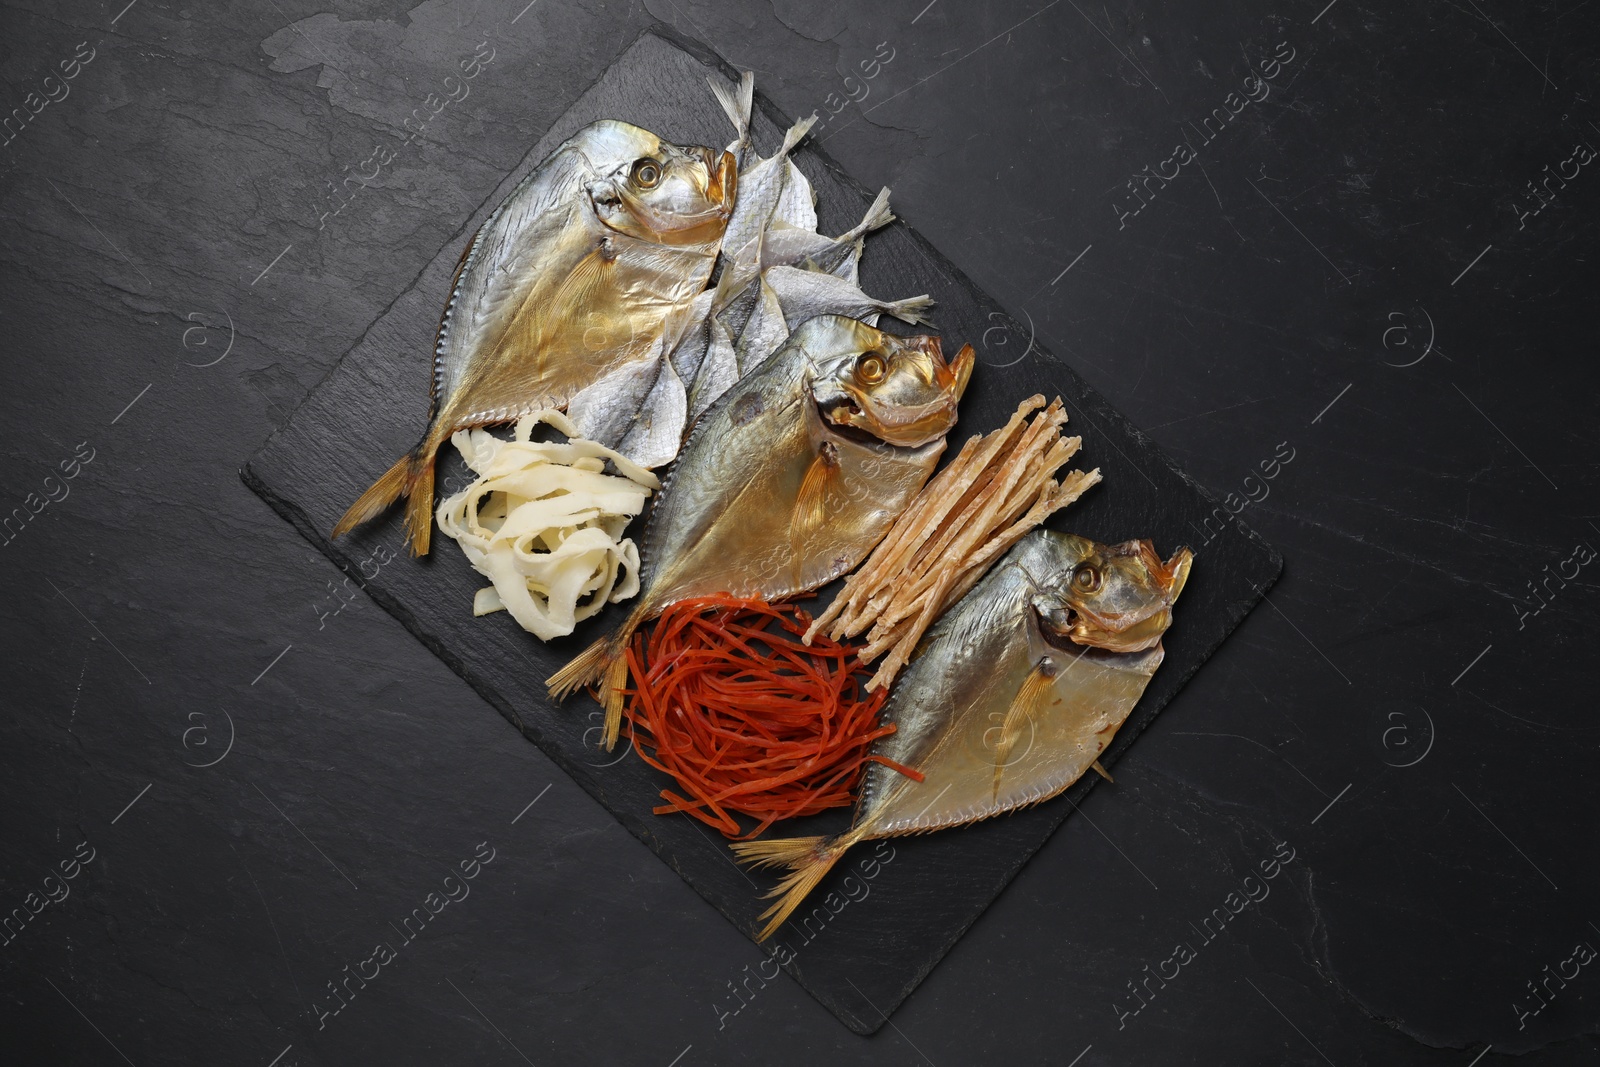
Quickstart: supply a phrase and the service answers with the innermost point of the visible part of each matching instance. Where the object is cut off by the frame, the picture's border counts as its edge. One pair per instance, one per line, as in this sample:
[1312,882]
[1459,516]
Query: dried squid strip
[999,487]
[543,522]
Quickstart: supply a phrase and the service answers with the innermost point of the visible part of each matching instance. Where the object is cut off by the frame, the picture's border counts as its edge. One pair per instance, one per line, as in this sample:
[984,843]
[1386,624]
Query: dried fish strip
[999,487]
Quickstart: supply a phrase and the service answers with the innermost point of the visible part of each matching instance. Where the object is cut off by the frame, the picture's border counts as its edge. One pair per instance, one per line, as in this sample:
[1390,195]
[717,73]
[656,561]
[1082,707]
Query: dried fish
[789,479]
[1013,696]
[805,294]
[791,246]
[761,186]
[574,280]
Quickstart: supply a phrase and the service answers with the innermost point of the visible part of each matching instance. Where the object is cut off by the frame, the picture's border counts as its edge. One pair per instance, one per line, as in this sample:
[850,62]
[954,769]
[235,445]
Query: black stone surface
[864,953]
[1351,266]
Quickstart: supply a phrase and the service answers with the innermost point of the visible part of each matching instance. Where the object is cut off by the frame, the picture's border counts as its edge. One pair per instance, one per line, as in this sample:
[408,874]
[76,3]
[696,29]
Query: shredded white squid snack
[544,522]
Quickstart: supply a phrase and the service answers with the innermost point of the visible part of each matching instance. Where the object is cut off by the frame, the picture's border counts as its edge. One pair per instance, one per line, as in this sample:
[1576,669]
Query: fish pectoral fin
[544,325]
[811,503]
[1033,686]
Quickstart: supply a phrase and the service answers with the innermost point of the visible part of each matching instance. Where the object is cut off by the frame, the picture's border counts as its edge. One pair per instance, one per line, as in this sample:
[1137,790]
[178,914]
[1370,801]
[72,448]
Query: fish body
[761,189]
[577,281]
[790,478]
[1013,696]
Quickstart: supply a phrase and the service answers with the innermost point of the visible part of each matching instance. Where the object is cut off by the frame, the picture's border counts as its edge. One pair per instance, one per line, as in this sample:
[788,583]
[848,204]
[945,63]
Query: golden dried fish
[571,284]
[789,480]
[1014,695]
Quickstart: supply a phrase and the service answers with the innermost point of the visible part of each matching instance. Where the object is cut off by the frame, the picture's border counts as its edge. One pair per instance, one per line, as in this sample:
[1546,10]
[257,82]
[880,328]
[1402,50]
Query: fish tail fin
[604,662]
[585,667]
[737,103]
[410,477]
[910,309]
[797,133]
[808,860]
[877,216]
[612,684]
[419,505]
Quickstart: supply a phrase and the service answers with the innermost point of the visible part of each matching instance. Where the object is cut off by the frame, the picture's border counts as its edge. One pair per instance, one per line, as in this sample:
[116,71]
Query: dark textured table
[1334,259]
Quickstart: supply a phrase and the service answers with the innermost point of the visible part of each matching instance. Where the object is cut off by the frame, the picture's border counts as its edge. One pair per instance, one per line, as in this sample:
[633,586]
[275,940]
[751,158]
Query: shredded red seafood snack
[747,719]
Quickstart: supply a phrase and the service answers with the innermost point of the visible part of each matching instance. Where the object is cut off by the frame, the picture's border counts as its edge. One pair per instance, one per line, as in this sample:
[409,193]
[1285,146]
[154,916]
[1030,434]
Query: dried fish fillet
[805,294]
[791,246]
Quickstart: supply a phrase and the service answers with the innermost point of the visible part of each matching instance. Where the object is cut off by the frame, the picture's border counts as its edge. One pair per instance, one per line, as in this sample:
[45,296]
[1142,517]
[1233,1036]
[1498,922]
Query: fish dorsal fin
[444,323]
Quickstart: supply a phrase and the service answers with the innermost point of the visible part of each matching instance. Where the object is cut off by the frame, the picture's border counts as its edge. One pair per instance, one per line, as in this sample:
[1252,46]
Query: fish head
[900,390]
[659,192]
[1113,597]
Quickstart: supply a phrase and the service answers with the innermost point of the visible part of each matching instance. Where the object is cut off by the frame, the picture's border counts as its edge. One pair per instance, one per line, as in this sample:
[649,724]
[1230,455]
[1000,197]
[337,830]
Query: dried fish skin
[573,278]
[790,478]
[1013,696]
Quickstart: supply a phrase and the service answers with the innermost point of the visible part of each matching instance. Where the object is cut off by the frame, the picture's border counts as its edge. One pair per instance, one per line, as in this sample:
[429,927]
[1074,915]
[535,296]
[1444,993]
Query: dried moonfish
[789,479]
[572,284]
[1015,694]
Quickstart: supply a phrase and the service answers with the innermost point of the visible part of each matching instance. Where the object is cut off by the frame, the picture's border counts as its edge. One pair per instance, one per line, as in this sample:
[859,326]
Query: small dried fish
[761,187]
[1014,695]
[808,293]
[576,279]
[791,246]
[789,479]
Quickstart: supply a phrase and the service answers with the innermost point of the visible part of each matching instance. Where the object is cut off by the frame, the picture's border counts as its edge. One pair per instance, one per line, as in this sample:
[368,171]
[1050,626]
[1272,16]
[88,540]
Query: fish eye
[871,368]
[1087,578]
[646,173]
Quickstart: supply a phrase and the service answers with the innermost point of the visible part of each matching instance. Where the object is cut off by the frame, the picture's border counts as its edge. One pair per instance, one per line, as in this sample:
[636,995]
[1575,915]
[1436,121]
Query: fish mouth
[845,418]
[907,425]
[1070,625]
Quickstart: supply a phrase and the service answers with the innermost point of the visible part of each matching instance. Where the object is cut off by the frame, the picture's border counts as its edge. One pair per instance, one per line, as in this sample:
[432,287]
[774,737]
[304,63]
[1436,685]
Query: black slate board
[924,892]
